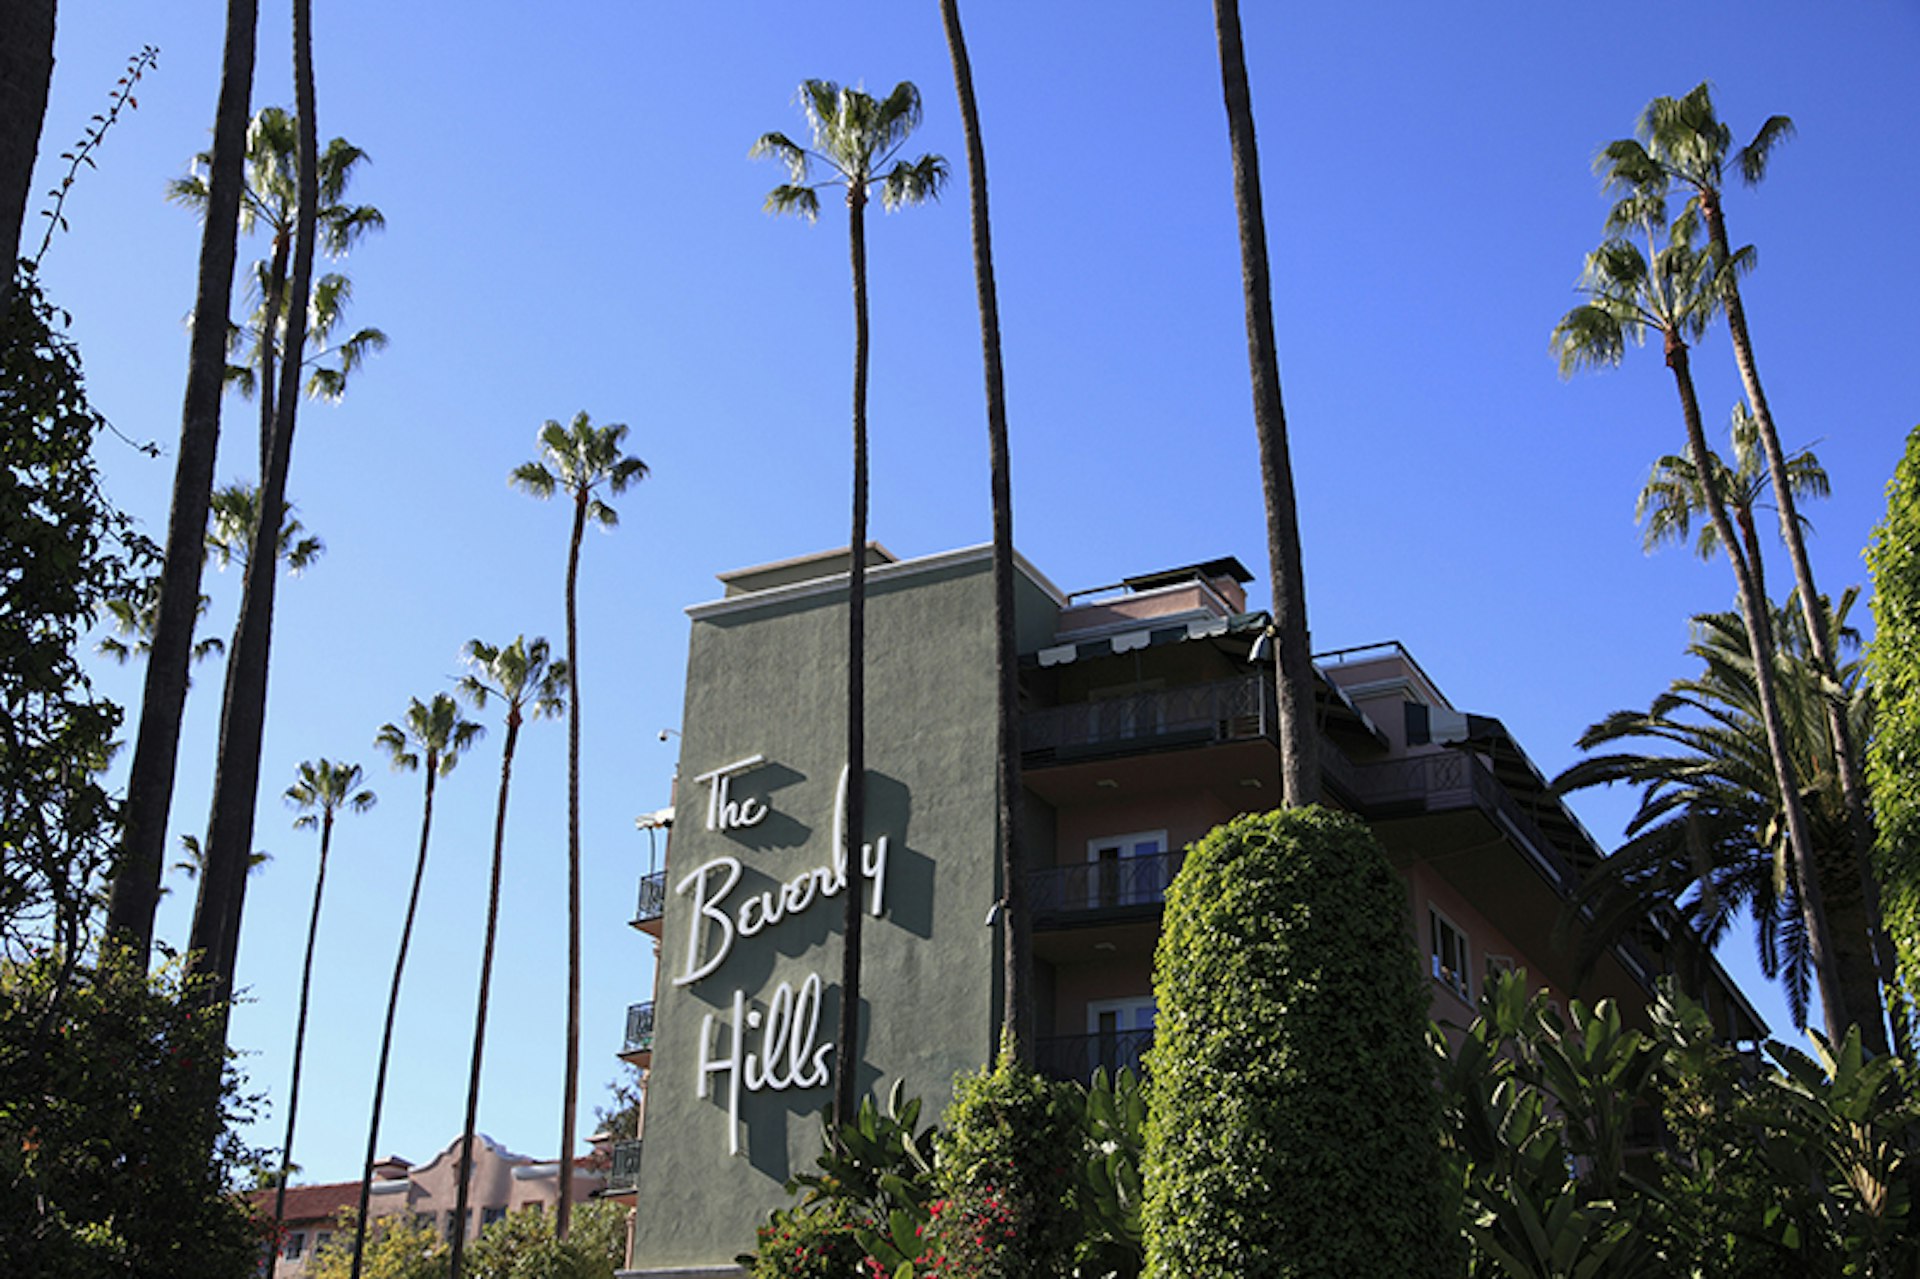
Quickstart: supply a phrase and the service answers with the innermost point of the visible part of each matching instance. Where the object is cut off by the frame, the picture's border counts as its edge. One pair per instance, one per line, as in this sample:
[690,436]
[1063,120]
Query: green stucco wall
[766,676]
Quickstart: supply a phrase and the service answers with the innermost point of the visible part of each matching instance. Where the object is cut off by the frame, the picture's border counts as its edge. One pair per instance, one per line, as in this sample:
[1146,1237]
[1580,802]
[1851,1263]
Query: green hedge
[1893,755]
[1292,1129]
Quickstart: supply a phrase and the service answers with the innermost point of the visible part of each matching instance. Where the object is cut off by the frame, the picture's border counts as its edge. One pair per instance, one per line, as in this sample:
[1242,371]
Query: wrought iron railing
[1448,780]
[1239,709]
[653,898]
[1127,882]
[625,1171]
[1076,1057]
[639,1028]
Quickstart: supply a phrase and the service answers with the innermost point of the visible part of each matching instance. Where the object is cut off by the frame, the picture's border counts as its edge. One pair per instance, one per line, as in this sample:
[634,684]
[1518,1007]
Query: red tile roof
[309,1203]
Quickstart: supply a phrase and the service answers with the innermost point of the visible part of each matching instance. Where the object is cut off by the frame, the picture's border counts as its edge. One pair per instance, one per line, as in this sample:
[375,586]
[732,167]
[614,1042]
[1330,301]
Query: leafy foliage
[521,1245]
[107,1163]
[1111,1190]
[64,553]
[397,1247]
[1010,1150]
[1893,754]
[1289,1073]
[1709,839]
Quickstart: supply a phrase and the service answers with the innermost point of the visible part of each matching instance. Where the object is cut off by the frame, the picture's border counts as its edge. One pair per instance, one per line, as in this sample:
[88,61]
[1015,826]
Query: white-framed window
[1117,876]
[1449,954]
[296,1244]
[1121,1030]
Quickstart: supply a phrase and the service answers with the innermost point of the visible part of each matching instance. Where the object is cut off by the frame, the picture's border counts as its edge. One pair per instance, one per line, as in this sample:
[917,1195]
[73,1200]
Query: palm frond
[1754,156]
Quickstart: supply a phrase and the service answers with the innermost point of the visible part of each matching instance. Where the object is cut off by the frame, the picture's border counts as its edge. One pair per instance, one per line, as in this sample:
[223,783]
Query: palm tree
[579,459]
[1683,141]
[521,676]
[321,789]
[433,734]
[1673,496]
[133,621]
[271,204]
[857,139]
[243,709]
[1670,291]
[26,66]
[1706,844]
[136,885]
[1017,937]
[1293,649]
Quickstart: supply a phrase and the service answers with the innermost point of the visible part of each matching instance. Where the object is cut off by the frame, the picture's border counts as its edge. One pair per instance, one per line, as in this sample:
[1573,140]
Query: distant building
[1147,717]
[503,1182]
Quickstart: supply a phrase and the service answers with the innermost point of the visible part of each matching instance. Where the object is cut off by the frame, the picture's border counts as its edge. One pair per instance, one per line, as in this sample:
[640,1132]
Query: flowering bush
[814,1241]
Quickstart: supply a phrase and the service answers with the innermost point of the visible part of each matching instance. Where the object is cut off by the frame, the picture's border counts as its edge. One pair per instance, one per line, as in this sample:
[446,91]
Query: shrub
[815,1241]
[1893,756]
[1011,1152]
[1292,1128]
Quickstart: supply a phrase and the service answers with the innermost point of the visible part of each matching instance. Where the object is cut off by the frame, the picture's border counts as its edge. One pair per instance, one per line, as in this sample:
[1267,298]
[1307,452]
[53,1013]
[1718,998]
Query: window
[424,1220]
[1449,955]
[490,1215]
[1122,1030]
[1128,870]
[1499,965]
[296,1243]
[462,1225]
[322,1239]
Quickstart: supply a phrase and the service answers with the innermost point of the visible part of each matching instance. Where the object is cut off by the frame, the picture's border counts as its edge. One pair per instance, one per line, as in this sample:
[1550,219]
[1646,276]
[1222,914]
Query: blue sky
[573,223]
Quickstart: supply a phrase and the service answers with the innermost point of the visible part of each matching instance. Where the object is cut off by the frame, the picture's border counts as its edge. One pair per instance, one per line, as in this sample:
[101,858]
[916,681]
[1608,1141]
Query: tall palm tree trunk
[386,1030]
[276,287]
[1293,650]
[1833,996]
[1846,750]
[570,1088]
[480,1005]
[300,1027]
[26,71]
[136,885]
[846,1057]
[1017,922]
[243,715]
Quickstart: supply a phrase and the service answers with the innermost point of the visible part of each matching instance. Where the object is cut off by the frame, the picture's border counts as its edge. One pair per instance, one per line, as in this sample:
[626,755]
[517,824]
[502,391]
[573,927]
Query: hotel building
[1145,721]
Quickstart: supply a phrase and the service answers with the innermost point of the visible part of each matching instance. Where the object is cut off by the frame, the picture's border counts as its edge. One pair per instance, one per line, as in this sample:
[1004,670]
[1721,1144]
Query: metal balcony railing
[653,898]
[1232,710]
[639,1028]
[1129,882]
[1448,780]
[1076,1057]
[625,1171]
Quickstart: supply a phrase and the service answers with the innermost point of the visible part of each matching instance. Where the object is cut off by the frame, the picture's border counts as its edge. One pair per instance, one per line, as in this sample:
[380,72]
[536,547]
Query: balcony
[1076,1057]
[1232,710]
[1130,886]
[1448,781]
[652,904]
[624,1173]
[638,1046]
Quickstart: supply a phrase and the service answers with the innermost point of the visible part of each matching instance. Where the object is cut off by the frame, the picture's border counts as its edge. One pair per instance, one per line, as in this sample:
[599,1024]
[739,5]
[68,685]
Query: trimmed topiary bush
[1292,1125]
[1893,756]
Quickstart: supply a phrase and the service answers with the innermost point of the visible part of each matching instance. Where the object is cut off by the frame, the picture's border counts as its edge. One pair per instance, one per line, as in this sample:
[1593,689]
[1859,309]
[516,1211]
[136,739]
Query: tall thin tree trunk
[480,1005]
[1017,924]
[236,781]
[136,885]
[393,1007]
[1293,650]
[276,289]
[1833,996]
[26,71]
[570,1089]
[1846,751]
[300,1026]
[846,1057]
